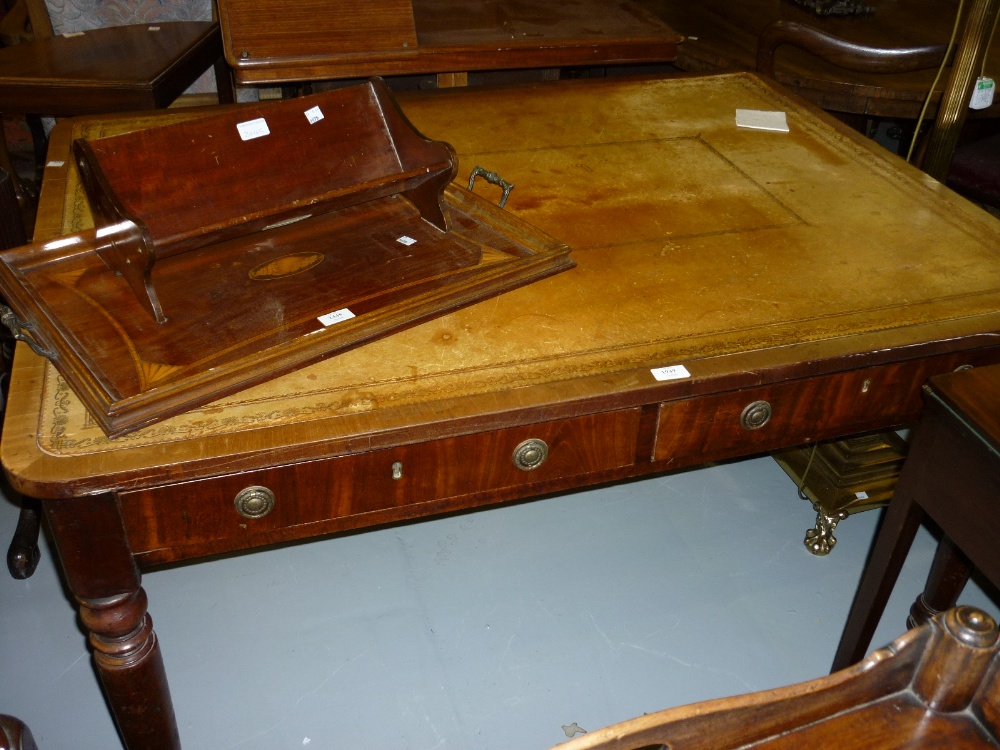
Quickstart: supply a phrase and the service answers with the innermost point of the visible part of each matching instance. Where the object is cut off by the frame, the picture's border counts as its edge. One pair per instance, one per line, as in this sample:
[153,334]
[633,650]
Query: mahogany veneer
[113,69]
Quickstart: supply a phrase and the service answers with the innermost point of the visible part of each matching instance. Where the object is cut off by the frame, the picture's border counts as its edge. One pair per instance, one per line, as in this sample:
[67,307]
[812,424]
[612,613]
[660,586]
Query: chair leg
[22,197]
[26,196]
[224,82]
[40,141]
[23,553]
[895,536]
[949,573]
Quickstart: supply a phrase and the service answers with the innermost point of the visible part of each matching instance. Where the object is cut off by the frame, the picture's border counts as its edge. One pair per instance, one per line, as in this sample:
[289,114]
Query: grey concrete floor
[487,630]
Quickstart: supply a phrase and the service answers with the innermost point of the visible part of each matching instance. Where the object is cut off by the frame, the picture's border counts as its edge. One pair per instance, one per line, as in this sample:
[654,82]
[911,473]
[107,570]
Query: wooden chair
[941,145]
[113,69]
[951,475]
[937,686]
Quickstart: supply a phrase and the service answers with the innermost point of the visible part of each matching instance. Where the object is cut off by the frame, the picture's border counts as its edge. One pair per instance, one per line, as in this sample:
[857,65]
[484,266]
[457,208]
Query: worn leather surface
[694,241]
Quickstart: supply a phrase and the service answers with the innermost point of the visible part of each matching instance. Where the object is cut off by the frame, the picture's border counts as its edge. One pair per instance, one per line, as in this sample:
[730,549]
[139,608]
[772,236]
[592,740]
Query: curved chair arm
[842,52]
[14,735]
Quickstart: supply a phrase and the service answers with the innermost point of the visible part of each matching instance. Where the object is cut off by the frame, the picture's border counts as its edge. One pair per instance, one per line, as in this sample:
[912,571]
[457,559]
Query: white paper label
[758,119]
[674,372]
[404,240]
[253,129]
[55,163]
[69,34]
[982,93]
[338,316]
[314,115]
[862,495]
[154,28]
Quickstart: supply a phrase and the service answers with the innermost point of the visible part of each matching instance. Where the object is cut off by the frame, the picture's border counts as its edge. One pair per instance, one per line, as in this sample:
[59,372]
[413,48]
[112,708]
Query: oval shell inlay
[286,265]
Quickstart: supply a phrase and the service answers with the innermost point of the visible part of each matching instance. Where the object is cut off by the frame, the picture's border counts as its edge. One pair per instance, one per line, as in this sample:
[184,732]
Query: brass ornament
[254,502]
[755,415]
[820,539]
[530,454]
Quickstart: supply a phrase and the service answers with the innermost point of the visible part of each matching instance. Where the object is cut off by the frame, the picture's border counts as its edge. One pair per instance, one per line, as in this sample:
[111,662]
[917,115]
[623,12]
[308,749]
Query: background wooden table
[333,39]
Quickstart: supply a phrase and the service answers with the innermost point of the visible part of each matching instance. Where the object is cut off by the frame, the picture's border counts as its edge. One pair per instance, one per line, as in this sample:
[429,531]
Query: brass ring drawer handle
[254,502]
[530,454]
[755,415]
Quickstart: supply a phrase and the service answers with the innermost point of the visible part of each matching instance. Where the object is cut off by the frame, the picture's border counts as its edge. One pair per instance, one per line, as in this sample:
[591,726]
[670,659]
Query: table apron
[197,518]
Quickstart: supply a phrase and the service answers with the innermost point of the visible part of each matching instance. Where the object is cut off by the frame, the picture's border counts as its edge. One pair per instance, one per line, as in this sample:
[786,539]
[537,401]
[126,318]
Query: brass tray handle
[494,178]
[24,332]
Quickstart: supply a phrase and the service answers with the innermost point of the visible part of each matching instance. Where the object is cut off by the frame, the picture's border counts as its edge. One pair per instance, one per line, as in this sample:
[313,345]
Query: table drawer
[796,412]
[358,490]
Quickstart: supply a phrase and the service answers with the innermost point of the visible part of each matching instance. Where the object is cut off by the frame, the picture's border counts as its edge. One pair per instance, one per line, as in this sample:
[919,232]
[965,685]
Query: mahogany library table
[736,291]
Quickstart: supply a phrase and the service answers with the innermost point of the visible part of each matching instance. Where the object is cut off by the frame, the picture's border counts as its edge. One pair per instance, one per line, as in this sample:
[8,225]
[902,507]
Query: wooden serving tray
[272,278]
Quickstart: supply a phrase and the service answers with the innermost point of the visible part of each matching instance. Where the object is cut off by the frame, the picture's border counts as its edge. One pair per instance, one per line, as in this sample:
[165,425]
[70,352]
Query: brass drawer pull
[530,454]
[755,415]
[254,502]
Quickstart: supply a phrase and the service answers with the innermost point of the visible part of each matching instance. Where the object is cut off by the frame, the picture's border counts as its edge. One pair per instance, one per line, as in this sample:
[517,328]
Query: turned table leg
[103,576]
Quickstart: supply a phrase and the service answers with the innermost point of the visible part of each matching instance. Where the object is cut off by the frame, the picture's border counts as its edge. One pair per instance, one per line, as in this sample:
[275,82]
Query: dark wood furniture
[952,477]
[937,686]
[116,69]
[682,336]
[936,154]
[721,35]
[14,735]
[269,42]
[231,249]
